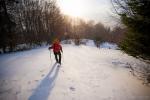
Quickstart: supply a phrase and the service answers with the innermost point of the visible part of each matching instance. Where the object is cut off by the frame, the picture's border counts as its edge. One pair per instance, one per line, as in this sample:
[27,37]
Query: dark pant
[58,57]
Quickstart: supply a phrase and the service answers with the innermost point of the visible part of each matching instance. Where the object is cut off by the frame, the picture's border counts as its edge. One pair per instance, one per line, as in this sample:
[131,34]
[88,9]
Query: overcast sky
[97,10]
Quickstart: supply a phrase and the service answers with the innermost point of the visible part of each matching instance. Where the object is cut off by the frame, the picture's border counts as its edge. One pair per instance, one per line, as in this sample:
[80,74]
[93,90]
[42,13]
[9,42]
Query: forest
[29,23]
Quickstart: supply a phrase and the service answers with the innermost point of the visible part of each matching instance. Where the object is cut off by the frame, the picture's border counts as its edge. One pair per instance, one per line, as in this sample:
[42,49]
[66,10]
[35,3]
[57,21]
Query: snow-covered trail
[87,73]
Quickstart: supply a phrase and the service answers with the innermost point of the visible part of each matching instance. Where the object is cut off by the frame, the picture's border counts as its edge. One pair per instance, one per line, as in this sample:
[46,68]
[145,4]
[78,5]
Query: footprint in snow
[5,91]
[72,88]
[36,80]
[18,92]
[42,75]
[42,71]
[29,82]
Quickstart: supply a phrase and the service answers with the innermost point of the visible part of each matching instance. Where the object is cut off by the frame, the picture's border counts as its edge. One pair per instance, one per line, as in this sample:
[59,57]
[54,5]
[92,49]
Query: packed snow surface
[86,73]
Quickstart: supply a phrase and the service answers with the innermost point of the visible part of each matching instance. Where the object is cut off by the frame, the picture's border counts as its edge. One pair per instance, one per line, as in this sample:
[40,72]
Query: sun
[73,8]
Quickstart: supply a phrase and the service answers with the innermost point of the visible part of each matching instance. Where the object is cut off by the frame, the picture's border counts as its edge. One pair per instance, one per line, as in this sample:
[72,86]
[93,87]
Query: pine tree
[6,24]
[135,14]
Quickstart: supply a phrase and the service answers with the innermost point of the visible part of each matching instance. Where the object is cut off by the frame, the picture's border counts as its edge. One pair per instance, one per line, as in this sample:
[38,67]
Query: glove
[49,48]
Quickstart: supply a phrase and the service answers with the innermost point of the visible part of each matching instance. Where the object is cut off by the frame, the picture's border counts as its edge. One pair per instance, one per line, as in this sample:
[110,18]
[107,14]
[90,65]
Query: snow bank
[90,43]
[108,45]
[69,41]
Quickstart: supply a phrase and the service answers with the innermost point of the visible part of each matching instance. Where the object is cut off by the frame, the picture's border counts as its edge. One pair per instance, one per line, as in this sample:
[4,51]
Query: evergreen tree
[6,24]
[135,14]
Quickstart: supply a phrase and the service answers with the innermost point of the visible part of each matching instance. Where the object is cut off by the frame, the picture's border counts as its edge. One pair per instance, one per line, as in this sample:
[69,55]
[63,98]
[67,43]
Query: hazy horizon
[96,10]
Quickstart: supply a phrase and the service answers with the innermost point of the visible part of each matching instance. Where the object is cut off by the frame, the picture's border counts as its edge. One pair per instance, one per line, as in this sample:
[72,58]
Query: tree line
[28,22]
[77,29]
[33,22]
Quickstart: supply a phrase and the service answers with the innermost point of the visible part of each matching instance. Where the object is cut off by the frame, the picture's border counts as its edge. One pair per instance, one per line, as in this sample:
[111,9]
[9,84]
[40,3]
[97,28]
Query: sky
[97,10]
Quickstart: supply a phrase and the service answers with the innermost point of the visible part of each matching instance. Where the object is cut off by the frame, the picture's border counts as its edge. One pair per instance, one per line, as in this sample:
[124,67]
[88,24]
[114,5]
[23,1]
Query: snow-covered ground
[87,73]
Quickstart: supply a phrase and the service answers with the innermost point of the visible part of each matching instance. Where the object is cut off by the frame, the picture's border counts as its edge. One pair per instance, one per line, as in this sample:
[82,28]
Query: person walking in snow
[57,49]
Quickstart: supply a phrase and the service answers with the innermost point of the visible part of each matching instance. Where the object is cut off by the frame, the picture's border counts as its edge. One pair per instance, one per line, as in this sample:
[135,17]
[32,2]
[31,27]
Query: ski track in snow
[86,73]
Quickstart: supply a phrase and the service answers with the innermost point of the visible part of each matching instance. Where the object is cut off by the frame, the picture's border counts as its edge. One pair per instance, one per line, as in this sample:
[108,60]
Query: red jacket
[56,47]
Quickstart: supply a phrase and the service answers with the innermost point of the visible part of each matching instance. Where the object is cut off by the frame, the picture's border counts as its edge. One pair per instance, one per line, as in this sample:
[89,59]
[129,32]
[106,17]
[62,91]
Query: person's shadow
[43,90]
